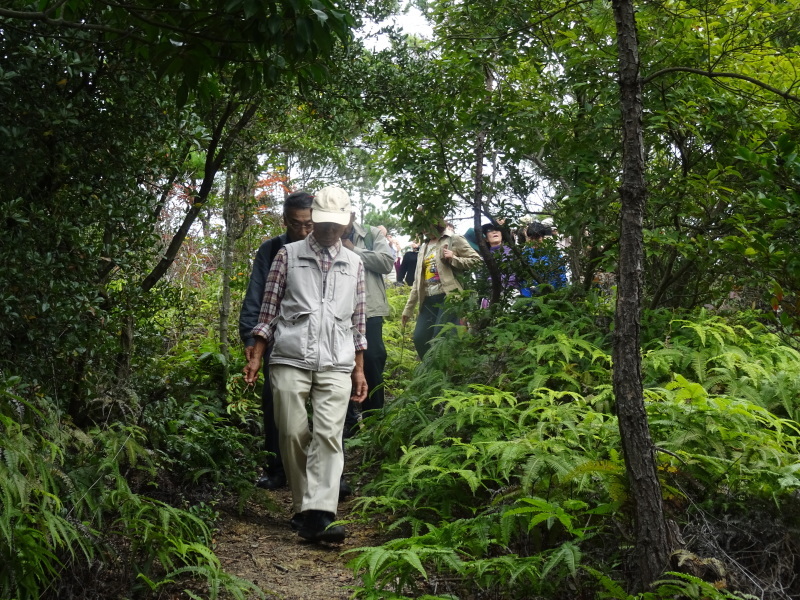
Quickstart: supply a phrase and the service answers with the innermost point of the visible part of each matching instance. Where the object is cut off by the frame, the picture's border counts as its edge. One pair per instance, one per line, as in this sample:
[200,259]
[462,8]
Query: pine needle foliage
[499,466]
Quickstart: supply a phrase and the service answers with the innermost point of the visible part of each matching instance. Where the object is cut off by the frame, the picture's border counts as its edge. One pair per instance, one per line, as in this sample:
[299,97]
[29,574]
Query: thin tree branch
[162,25]
[527,27]
[716,74]
[218,148]
[537,161]
[50,10]
[665,451]
[44,18]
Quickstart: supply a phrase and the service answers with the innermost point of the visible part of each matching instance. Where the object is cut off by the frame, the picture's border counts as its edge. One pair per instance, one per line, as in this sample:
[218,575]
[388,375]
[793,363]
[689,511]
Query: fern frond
[567,554]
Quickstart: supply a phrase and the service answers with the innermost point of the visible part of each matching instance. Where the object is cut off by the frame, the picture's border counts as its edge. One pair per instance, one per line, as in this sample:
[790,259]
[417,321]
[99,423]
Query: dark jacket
[408,267]
[251,306]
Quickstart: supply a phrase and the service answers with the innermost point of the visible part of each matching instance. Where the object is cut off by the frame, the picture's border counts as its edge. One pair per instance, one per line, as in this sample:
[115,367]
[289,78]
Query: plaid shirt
[275,289]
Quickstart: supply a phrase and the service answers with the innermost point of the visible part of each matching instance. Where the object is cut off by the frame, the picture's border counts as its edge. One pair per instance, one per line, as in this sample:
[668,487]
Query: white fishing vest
[314,327]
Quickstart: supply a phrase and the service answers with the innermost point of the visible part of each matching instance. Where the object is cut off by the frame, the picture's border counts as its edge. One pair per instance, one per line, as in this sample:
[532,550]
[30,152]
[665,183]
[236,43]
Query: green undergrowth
[126,507]
[498,467]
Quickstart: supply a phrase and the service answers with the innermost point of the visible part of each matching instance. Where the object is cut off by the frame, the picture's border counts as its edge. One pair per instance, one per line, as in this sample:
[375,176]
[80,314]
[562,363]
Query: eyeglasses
[308,225]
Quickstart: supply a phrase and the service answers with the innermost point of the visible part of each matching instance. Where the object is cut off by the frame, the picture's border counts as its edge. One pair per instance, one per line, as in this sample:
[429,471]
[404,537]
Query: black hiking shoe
[317,527]
[271,481]
[296,522]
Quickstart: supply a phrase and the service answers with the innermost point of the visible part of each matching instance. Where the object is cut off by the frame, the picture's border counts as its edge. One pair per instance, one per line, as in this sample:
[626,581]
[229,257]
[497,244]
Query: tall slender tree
[652,543]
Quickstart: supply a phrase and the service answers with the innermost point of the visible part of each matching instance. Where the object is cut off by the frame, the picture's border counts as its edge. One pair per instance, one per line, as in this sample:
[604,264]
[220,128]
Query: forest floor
[258,545]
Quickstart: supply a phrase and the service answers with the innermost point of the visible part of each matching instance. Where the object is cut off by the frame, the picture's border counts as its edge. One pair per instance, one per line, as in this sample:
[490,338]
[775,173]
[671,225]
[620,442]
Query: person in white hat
[314,318]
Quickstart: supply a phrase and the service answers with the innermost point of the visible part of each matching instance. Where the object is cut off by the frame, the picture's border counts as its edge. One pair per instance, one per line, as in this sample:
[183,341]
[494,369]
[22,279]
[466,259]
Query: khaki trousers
[313,460]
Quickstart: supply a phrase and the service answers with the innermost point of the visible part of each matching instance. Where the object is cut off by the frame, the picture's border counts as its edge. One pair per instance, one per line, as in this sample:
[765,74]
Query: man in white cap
[314,318]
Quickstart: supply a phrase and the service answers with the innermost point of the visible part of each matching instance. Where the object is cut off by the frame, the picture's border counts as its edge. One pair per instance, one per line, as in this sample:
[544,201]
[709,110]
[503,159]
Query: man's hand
[447,254]
[359,393]
[347,243]
[252,369]
[254,358]
[404,320]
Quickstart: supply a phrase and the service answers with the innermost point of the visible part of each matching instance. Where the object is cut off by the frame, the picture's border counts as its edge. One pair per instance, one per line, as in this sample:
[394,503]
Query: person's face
[534,240]
[437,229]
[298,223]
[494,238]
[348,229]
[328,233]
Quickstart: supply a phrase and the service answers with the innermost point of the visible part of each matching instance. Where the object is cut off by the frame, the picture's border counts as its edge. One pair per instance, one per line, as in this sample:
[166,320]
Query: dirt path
[261,547]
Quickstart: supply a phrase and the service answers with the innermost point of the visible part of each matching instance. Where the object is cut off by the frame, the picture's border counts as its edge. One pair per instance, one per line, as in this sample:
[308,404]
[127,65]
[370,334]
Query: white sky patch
[411,22]
[414,23]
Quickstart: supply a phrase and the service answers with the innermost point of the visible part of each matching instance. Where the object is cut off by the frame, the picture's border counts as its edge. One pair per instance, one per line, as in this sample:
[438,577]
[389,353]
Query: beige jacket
[465,259]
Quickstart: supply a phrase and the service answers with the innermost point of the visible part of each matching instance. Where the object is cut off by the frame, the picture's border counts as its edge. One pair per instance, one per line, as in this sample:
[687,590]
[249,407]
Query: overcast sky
[411,22]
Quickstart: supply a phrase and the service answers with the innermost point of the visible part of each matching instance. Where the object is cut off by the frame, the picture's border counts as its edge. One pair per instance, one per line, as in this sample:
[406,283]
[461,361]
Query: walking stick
[402,340]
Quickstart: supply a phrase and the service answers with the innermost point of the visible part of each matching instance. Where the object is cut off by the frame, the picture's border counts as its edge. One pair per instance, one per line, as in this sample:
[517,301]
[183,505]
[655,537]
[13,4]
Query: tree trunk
[123,368]
[239,186]
[228,242]
[477,198]
[652,544]
[218,148]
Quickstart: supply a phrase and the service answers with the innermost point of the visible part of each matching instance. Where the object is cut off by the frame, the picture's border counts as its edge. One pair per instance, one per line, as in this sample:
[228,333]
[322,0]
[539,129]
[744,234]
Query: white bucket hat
[331,205]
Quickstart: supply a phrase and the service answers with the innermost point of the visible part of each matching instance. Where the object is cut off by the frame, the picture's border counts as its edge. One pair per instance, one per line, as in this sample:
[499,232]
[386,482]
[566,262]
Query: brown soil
[259,546]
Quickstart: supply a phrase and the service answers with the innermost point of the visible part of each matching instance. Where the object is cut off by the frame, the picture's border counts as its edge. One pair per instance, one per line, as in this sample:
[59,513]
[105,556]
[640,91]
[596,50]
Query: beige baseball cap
[331,205]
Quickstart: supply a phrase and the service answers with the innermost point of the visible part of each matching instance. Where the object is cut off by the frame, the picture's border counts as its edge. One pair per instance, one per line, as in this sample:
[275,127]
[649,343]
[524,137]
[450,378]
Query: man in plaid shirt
[314,318]
[297,219]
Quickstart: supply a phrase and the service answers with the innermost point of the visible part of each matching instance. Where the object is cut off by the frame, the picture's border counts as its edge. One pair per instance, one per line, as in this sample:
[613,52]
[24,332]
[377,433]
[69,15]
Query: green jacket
[465,259]
[378,262]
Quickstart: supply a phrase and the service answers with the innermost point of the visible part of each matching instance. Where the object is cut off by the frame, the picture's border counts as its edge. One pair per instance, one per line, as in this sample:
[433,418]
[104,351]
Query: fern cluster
[67,505]
[500,465]
[742,360]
